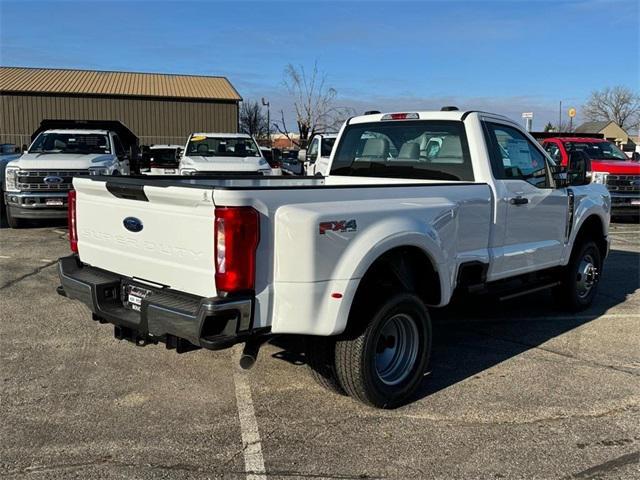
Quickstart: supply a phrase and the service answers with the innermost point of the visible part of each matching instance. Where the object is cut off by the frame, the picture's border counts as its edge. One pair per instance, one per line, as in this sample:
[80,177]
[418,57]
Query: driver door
[534,211]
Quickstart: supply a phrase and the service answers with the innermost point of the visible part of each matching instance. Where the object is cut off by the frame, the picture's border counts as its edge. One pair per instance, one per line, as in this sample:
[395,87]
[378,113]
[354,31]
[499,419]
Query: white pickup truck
[353,261]
[228,153]
[317,158]
[36,183]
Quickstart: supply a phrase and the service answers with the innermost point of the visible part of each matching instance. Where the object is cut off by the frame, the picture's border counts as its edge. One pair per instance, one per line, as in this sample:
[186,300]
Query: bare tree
[253,120]
[565,126]
[313,103]
[619,104]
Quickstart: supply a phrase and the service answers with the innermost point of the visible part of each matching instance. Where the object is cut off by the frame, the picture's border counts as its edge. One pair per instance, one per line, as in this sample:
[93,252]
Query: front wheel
[579,282]
[383,363]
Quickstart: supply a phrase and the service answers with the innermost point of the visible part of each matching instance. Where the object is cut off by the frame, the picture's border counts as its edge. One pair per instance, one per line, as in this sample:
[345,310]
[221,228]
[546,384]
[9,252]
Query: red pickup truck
[609,166]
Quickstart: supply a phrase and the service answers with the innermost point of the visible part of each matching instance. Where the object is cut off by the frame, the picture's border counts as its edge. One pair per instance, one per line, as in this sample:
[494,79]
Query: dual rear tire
[381,361]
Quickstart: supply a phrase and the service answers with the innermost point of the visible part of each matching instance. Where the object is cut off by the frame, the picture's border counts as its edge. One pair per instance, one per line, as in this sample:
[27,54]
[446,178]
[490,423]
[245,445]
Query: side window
[515,157]
[554,152]
[117,146]
[313,150]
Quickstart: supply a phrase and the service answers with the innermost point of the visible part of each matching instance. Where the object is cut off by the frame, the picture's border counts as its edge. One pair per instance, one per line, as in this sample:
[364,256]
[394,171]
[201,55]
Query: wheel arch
[407,268]
[592,227]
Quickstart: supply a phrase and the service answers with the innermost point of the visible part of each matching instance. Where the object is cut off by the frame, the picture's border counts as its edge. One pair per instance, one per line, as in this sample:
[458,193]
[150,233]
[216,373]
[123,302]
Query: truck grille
[623,183]
[34,180]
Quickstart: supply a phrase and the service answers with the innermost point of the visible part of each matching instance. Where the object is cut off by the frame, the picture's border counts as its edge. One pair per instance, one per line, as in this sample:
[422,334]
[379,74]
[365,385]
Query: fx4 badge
[338,226]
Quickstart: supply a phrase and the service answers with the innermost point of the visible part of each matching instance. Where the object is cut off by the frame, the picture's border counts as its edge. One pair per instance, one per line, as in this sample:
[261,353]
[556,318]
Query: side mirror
[560,177]
[635,157]
[302,155]
[577,168]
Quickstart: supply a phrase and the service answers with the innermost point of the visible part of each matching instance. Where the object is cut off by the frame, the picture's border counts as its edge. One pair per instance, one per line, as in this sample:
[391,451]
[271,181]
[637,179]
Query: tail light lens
[73,230]
[237,233]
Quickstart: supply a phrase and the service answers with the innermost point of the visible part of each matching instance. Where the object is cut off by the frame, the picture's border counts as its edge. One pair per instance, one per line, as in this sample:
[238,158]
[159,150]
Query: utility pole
[267,104]
[560,116]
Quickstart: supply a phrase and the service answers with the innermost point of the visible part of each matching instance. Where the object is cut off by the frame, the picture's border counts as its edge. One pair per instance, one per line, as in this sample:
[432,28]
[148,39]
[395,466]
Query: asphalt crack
[15,281]
[607,467]
[555,352]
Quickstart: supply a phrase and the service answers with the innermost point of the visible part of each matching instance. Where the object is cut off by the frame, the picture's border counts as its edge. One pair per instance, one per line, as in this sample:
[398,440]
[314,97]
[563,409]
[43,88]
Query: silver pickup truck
[36,183]
[417,206]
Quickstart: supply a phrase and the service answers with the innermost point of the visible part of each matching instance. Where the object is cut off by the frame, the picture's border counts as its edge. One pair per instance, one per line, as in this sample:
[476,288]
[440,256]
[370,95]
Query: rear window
[435,150]
[162,156]
[327,146]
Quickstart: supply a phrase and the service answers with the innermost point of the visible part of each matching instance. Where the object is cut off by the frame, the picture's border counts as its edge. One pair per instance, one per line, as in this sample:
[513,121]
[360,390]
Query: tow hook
[250,353]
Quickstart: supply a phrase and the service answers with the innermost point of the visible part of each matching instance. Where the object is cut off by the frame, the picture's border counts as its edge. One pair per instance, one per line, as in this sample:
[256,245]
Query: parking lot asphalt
[517,390]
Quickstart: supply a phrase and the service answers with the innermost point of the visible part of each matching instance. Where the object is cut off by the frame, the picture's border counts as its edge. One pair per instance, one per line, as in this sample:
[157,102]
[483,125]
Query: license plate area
[635,202]
[132,296]
[54,202]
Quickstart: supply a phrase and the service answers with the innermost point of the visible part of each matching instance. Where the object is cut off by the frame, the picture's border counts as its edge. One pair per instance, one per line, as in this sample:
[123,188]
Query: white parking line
[251,444]
[5,256]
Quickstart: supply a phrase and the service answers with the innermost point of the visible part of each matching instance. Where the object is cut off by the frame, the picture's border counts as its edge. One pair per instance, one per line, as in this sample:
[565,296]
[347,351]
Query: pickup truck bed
[295,263]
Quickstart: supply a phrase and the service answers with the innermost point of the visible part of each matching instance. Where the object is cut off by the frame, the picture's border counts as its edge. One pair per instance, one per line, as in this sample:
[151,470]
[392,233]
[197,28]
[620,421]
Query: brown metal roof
[91,82]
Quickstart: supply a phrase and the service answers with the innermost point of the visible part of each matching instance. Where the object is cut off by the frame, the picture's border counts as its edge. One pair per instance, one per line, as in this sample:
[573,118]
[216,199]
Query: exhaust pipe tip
[250,353]
[247,361]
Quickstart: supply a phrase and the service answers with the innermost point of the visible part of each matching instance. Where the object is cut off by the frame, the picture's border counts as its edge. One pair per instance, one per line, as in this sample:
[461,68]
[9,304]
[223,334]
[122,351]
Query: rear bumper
[180,320]
[34,205]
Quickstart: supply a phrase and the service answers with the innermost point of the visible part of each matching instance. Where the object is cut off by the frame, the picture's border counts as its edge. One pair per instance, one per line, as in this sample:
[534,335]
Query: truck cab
[36,184]
[317,158]
[227,153]
[610,166]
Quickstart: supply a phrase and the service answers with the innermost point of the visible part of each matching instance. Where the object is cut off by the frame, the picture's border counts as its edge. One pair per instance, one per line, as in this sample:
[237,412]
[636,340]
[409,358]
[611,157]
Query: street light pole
[267,104]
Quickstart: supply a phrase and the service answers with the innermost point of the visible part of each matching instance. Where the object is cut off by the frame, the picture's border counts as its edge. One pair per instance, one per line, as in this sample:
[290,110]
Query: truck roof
[78,131]
[578,139]
[455,115]
[164,146]
[222,135]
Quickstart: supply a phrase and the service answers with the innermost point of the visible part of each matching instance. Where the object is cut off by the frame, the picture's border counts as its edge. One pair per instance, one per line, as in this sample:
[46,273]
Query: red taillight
[237,233]
[71,216]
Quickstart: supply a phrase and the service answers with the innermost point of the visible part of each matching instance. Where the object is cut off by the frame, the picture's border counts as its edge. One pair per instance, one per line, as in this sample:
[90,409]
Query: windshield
[83,143]
[222,147]
[434,150]
[597,150]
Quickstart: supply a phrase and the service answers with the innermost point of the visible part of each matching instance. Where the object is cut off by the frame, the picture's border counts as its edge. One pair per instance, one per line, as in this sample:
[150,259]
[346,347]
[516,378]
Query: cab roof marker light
[400,116]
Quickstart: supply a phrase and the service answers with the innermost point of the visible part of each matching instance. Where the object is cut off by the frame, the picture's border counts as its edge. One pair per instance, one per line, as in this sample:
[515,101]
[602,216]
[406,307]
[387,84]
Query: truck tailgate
[174,246]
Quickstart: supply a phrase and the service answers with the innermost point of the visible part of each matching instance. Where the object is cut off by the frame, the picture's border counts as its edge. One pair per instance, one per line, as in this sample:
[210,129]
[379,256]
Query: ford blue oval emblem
[132,224]
[53,180]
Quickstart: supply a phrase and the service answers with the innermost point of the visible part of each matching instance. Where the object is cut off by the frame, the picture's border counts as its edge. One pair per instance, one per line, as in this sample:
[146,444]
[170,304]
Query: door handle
[519,201]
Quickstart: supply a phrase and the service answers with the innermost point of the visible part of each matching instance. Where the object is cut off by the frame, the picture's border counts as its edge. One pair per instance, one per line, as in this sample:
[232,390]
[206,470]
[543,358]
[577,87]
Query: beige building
[158,108]
[611,131]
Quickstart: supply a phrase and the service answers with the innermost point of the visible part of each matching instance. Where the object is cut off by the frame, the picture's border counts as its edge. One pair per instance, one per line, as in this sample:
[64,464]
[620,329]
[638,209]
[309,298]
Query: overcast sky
[506,56]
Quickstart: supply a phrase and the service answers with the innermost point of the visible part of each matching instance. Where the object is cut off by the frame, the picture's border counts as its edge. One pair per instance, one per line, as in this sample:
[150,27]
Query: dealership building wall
[156,112]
